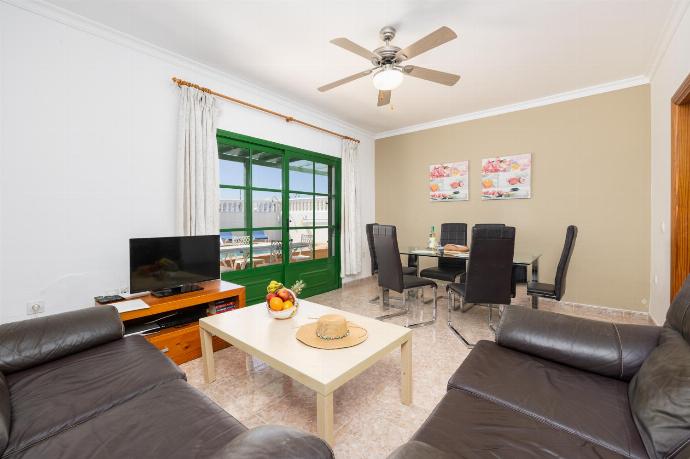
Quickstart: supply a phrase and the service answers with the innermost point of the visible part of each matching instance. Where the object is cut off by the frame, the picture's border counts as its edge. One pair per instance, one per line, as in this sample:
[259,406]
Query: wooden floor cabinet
[181,343]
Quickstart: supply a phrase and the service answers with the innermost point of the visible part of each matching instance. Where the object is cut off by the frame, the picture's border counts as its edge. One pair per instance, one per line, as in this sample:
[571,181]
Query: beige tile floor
[370,421]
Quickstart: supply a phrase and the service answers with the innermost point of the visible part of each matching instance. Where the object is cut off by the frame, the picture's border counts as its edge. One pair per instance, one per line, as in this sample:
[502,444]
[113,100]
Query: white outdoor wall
[87,152]
[672,70]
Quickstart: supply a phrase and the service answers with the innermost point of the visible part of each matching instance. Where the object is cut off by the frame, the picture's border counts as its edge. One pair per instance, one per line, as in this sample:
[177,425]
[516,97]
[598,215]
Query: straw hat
[331,331]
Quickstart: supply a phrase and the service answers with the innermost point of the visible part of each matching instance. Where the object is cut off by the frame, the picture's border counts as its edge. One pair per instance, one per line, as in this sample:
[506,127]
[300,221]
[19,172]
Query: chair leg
[499,308]
[430,300]
[451,307]
[464,307]
[388,300]
[535,302]
[405,310]
[385,303]
[433,313]
[491,318]
[375,300]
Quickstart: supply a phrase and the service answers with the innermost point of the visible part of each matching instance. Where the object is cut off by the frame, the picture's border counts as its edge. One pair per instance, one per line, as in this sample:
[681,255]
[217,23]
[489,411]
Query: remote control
[108,299]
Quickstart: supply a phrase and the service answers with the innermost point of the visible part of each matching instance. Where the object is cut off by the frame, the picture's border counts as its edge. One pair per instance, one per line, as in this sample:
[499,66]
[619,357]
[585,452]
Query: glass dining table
[519,259]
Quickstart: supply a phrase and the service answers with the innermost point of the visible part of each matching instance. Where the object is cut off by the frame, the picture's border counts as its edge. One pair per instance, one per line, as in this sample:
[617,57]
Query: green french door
[279,215]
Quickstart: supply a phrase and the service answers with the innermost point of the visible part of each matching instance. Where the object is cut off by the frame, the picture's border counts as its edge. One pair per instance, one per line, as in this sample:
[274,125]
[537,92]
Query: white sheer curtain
[351,256]
[197,164]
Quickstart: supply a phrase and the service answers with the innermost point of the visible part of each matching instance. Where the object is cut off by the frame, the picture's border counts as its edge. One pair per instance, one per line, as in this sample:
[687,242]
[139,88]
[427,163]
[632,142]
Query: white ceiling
[508,51]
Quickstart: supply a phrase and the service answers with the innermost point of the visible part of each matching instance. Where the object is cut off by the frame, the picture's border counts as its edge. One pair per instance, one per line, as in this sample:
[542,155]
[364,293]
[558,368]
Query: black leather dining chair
[489,225]
[489,272]
[411,269]
[556,290]
[390,272]
[519,272]
[448,269]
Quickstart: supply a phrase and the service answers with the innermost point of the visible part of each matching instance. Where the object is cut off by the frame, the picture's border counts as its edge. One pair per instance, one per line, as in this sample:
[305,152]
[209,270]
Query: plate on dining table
[424,252]
[456,254]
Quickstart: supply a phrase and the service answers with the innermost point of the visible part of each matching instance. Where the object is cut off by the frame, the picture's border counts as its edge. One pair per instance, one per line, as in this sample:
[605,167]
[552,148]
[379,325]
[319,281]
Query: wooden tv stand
[182,343]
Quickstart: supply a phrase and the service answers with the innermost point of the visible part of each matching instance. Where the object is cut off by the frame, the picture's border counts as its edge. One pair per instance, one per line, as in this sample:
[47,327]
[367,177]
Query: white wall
[673,68]
[87,152]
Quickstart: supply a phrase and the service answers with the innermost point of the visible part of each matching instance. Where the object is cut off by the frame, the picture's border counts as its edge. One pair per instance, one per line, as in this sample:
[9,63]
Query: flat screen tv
[170,265]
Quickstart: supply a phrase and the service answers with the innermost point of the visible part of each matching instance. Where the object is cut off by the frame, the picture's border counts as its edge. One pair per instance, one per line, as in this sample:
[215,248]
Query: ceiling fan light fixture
[388,78]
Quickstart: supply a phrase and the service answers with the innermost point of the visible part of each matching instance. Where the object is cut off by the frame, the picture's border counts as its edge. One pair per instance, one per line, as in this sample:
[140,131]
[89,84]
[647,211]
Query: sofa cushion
[466,426]
[5,413]
[172,420]
[608,349]
[592,407]
[660,397]
[268,442]
[55,396]
[33,342]
[414,449]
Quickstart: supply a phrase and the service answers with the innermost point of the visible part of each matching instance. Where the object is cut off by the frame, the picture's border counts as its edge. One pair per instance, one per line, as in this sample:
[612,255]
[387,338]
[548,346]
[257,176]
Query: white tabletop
[254,331]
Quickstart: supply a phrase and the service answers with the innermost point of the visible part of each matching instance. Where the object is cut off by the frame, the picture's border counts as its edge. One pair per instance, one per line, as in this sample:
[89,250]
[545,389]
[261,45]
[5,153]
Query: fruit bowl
[280,298]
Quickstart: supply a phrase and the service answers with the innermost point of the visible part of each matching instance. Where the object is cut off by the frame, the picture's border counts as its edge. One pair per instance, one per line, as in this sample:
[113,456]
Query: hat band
[347,333]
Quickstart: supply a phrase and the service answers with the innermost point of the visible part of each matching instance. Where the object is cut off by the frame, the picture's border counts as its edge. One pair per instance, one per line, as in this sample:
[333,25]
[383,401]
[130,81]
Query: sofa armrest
[270,442]
[35,341]
[414,449]
[608,349]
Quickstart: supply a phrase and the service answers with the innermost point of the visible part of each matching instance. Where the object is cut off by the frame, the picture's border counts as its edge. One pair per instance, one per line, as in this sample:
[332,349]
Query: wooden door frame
[680,186]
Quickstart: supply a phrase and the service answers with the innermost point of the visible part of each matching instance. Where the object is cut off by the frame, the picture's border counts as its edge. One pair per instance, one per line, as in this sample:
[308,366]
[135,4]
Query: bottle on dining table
[432,239]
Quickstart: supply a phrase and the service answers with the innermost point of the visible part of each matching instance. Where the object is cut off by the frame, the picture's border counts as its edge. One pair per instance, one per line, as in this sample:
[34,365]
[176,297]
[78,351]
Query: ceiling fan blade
[449,79]
[330,86]
[431,41]
[384,98]
[354,48]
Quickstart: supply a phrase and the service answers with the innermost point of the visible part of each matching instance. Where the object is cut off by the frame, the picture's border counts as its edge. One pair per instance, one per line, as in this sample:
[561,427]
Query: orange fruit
[287,304]
[276,304]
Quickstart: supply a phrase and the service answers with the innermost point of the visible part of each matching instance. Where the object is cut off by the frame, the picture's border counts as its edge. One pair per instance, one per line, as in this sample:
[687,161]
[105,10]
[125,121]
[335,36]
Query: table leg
[207,355]
[535,278]
[406,372]
[324,417]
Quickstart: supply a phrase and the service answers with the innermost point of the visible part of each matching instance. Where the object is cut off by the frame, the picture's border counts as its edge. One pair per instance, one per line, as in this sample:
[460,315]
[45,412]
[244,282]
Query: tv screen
[165,262]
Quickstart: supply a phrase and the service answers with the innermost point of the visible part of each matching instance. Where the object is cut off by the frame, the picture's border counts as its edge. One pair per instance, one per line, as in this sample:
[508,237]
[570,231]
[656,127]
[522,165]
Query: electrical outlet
[35,307]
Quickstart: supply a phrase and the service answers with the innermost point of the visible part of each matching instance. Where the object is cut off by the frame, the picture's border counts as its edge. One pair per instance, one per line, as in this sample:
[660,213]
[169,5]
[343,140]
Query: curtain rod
[288,119]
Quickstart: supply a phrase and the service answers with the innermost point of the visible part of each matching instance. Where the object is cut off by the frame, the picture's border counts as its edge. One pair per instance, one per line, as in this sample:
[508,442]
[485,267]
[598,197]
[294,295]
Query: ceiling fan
[387,60]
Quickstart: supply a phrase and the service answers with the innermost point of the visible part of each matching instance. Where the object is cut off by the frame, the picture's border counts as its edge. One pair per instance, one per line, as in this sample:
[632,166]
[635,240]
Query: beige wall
[672,70]
[590,168]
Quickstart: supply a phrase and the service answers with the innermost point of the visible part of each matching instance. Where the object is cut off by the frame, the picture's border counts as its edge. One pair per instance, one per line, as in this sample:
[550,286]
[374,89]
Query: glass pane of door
[321,213]
[321,245]
[232,208]
[301,209]
[322,174]
[234,251]
[233,165]
[267,208]
[267,247]
[267,170]
[301,245]
[301,175]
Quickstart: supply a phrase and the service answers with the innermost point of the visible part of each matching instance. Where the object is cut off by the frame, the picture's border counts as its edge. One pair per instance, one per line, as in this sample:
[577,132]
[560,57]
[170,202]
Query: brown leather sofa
[72,387]
[560,386]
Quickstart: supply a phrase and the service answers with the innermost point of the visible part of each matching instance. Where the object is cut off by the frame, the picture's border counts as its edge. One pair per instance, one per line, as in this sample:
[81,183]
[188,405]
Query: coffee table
[273,341]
